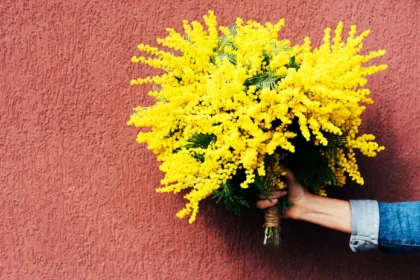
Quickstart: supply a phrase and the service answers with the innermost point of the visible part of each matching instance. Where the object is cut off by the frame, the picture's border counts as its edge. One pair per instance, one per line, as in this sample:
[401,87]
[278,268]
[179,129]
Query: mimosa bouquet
[233,104]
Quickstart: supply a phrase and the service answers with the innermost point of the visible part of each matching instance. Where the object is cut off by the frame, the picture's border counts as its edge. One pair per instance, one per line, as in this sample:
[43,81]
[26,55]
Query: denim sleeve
[364,224]
[399,230]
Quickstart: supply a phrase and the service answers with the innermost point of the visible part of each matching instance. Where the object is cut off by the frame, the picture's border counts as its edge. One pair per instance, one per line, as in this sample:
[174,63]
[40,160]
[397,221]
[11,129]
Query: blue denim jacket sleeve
[399,227]
[390,227]
[364,225]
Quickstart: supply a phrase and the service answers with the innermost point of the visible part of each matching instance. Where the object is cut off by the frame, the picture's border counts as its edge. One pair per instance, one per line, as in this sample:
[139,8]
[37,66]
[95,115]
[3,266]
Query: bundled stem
[272,226]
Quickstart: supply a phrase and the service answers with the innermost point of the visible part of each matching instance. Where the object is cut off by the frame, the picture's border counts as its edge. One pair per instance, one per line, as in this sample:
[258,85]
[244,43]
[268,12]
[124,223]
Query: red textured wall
[77,197]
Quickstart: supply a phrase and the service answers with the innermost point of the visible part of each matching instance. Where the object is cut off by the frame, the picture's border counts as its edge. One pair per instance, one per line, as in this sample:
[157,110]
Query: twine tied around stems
[272,216]
[272,226]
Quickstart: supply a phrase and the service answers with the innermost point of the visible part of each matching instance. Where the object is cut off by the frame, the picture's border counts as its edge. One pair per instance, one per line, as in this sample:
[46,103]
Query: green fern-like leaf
[309,164]
[231,57]
[200,141]
[262,186]
[335,142]
[225,41]
[292,63]
[231,197]
[265,80]
[284,204]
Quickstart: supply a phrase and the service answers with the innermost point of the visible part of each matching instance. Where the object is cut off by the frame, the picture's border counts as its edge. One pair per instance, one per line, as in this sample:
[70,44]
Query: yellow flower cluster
[202,92]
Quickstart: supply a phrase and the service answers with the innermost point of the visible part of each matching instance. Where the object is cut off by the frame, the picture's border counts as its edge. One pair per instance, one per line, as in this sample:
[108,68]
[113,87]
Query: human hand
[295,194]
[328,212]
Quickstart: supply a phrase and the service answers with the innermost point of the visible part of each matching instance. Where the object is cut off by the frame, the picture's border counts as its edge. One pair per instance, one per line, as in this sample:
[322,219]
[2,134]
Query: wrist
[306,207]
[327,212]
[301,207]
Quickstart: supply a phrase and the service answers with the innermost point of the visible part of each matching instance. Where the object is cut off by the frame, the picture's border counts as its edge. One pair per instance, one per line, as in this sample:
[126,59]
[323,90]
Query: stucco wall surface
[77,197]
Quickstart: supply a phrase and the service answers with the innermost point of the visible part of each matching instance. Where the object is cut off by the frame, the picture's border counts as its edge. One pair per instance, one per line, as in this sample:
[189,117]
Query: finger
[262,204]
[274,194]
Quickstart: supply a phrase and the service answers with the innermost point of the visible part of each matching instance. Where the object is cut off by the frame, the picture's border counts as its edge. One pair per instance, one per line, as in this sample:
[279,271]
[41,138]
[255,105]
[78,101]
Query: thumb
[289,177]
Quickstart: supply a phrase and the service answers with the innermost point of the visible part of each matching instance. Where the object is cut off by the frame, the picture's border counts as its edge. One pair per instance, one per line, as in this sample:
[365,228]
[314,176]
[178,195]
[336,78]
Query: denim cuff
[364,225]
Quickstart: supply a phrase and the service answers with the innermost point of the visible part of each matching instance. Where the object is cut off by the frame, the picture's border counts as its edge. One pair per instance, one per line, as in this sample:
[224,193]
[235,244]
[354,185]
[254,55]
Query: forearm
[328,212]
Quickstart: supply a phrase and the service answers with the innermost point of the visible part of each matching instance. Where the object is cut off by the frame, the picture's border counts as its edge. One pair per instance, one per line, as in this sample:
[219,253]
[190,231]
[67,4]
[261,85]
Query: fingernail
[274,200]
[284,192]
